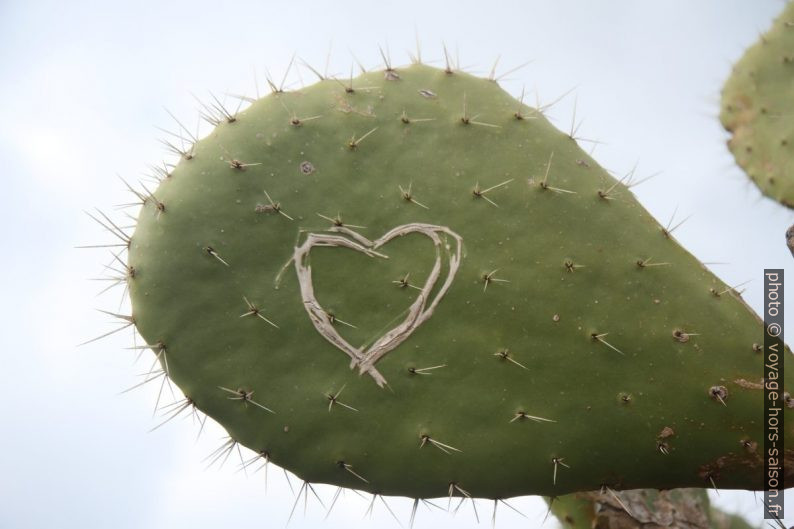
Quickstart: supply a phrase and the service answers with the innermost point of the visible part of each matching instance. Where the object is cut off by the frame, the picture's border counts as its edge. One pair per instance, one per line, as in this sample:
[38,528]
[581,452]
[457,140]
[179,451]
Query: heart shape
[419,311]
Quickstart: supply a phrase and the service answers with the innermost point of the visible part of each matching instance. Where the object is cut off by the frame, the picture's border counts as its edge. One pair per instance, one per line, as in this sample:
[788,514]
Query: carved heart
[418,312]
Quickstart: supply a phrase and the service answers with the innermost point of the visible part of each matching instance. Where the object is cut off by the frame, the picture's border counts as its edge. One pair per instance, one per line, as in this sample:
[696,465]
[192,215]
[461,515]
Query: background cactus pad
[757,103]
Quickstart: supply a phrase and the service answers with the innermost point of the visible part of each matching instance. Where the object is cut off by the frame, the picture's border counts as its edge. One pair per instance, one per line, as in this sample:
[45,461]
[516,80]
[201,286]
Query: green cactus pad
[412,284]
[757,102]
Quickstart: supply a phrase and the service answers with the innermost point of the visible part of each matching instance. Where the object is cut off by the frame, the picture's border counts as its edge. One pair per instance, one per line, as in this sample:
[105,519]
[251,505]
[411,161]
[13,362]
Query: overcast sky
[85,83]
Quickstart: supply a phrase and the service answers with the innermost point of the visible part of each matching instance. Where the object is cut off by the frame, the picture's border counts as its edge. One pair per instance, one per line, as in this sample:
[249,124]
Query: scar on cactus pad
[757,103]
[410,283]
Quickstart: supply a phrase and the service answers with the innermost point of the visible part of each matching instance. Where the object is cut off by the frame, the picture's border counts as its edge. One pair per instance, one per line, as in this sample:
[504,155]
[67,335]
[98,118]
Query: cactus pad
[412,284]
[757,109]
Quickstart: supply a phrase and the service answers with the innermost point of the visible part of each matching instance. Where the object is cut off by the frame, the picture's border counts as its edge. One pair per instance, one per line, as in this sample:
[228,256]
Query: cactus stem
[488,278]
[334,399]
[211,251]
[408,196]
[245,396]
[504,354]
[557,462]
[600,338]
[424,439]
[253,310]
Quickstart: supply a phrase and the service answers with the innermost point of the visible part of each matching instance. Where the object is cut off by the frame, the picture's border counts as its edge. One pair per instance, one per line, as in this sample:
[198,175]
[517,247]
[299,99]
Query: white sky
[83,85]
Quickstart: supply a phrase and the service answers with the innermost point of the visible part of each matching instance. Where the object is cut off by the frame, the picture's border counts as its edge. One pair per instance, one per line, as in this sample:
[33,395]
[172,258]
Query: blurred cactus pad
[758,109]
[411,283]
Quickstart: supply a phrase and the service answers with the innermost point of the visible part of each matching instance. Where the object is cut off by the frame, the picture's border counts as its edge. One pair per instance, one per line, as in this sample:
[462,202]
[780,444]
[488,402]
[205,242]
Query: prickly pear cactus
[756,109]
[412,284]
